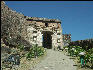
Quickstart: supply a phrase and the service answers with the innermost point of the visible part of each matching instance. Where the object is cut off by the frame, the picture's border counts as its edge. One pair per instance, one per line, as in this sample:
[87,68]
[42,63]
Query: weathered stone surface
[13,25]
[52,28]
[31,29]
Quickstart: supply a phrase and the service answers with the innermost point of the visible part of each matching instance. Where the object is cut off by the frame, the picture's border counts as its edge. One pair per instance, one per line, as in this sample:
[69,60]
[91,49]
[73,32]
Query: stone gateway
[45,32]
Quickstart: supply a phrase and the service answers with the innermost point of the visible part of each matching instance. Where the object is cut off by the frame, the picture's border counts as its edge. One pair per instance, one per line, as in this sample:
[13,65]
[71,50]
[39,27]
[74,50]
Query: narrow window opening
[58,33]
[46,24]
[34,31]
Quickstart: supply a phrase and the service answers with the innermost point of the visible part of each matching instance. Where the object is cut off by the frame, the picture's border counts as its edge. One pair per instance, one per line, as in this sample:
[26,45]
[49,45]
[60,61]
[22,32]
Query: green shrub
[21,47]
[88,56]
[35,51]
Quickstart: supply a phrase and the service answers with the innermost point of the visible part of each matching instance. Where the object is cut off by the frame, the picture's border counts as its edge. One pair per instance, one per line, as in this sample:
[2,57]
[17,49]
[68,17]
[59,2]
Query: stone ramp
[55,60]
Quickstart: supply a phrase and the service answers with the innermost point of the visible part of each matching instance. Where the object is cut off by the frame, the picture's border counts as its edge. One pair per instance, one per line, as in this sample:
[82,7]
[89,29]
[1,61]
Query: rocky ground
[24,63]
[55,60]
[52,60]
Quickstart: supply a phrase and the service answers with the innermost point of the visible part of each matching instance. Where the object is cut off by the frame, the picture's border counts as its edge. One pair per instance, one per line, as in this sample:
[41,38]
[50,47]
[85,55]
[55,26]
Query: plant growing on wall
[34,52]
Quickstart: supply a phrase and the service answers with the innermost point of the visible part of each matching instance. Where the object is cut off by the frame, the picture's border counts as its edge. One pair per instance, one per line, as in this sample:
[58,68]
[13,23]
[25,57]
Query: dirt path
[55,60]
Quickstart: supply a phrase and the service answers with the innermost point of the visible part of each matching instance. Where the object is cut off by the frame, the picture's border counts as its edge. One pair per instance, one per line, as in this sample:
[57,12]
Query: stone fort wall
[13,25]
[31,29]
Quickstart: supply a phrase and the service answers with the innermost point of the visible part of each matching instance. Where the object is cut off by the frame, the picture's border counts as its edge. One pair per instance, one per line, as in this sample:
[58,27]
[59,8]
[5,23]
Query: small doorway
[47,39]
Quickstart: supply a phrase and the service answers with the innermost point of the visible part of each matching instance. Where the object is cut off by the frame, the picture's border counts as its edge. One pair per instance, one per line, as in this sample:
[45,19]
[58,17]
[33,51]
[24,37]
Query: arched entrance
[47,39]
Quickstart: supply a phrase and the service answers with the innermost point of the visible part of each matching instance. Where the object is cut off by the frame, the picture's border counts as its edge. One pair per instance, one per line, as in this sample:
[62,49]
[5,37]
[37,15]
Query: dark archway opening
[47,40]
